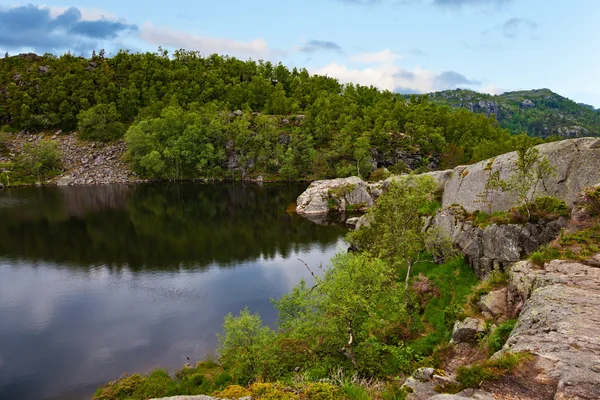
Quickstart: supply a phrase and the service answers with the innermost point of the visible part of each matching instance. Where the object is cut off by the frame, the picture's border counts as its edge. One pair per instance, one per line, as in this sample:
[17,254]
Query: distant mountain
[538,112]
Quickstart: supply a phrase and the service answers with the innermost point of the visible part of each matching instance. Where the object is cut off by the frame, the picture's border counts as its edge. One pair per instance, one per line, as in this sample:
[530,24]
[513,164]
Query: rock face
[495,303]
[321,196]
[577,163]
[344,193]
[559,322]
[84,163]
[497,246]
[468,330]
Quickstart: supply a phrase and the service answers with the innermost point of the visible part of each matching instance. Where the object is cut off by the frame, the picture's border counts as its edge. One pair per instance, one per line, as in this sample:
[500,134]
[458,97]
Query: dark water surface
[97,281]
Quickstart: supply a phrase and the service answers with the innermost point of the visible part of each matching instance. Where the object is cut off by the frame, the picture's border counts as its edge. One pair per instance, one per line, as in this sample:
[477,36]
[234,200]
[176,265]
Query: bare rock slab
[559,323]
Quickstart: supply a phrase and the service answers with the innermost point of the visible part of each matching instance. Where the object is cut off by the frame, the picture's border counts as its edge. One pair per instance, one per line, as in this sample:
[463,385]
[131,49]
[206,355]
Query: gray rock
[468,330]
[495,303]
[497,246]
[341,192]
[528,104]
[577,163]
[43,69]
[352,222]
[487,107]
[237,113]
[464,395]
[559,323]
[66,180]
[300,117]
[424,374]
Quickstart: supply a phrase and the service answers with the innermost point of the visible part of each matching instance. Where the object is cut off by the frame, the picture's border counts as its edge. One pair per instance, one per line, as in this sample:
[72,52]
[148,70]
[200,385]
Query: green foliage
[473,376]
[380,174]
[4,140]
[291,125]
[580,245]
[593,198]
[38,161]
[500,335]
[529,172]
[187,381]
[243,346]
[101,123]
[552,114]
[396,233]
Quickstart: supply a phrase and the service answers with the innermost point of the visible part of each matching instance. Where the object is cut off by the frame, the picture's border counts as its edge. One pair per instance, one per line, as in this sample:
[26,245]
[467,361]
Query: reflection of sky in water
[65,331]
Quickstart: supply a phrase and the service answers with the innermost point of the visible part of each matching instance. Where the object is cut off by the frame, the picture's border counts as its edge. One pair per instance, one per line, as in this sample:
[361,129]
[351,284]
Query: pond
[98,281]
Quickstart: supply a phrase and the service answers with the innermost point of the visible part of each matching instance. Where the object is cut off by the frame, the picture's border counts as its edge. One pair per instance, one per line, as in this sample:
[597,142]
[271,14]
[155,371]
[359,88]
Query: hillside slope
[538,112]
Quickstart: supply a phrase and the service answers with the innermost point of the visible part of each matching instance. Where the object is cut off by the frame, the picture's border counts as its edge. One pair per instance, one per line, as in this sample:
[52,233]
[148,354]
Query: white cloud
[87,14]
[384,72]
[208,45]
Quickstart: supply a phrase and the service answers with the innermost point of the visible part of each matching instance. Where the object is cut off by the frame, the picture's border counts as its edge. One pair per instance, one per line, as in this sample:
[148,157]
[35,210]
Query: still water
[97,281]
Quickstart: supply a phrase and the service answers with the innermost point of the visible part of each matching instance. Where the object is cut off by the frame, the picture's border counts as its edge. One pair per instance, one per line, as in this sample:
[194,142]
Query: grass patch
[454,281]
[543,208]
[574,246]
[500,335]
[205,378]
[496,280]
[473,376]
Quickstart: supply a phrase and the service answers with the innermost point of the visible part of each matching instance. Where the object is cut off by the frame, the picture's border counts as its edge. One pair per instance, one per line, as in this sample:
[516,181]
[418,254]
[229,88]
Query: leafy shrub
[100,123]
[593,197]
[545,207]
[473,376]
[574,246]
[380,174]
[242,346]
[40,160]
[122,388]
[4,138]
[499,336]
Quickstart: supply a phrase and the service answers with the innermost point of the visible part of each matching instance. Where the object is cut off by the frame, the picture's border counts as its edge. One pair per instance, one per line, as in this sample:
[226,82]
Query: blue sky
[400,45]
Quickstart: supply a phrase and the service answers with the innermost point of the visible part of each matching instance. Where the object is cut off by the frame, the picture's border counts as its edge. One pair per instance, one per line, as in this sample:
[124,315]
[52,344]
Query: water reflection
[98,281]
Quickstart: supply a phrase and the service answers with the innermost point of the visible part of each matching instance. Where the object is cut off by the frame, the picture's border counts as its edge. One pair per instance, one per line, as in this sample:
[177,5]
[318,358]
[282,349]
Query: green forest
[186,116]
[539,112]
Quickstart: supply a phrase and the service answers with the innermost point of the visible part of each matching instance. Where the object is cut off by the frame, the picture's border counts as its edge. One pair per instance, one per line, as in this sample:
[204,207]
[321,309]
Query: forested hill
[185,116]
[537,112]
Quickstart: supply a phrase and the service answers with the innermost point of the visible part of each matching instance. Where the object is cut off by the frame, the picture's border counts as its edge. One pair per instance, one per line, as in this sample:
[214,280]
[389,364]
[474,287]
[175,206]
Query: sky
[406,46]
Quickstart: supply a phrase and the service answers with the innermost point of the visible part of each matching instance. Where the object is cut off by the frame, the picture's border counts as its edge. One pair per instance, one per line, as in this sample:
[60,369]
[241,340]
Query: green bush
[380,174]
[473,376]
[100,123]
[500,335]
[40,160]
[4,139]
[593,197]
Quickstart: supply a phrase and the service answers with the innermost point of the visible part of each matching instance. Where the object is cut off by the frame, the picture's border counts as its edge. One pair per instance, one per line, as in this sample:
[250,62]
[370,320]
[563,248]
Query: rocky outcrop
[495,247]
[352,193]
[488,107]
[468,330]
[494,304]
[424,384]
[339,194]
[577,163]
[559,322]
[84,163]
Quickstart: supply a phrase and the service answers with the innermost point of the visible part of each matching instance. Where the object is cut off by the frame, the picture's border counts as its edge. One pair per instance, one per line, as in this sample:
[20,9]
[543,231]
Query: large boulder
[468,330]
[494,303]
[559,324]
[577,163]
[339,194]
